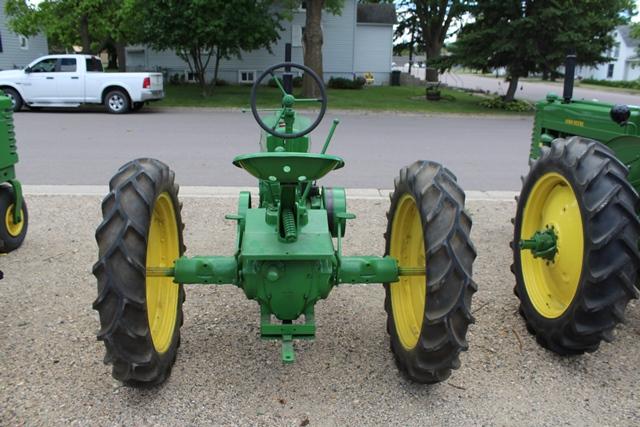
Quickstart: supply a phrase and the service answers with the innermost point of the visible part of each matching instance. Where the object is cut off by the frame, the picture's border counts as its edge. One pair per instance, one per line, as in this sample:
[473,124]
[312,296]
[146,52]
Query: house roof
[625,34]
[377,13]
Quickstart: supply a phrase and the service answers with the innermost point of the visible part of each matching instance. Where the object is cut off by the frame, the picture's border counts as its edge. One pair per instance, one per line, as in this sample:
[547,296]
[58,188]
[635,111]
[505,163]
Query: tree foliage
[425,25]
[67,23]
[533,36]
[93,25]
[201,31]
[635,33]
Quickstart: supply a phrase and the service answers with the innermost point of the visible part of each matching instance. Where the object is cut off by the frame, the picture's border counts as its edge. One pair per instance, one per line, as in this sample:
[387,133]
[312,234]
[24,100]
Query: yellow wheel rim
[13,229]
[551,286]
[162,293]
[409,294]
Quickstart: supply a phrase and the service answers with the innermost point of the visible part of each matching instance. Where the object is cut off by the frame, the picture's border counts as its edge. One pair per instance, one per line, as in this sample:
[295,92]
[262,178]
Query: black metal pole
[287,77]
[569,75]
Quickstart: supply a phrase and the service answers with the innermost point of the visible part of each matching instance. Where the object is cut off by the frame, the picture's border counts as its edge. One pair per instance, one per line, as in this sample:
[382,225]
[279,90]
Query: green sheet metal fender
[627,149]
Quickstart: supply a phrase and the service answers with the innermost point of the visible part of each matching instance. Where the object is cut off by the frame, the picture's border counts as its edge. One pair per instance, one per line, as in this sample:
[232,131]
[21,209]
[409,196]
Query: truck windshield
[94,64]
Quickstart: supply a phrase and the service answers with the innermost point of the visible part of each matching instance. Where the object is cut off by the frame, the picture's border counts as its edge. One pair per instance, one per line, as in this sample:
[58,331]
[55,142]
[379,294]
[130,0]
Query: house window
[616,51]
[610,71]
[246,76]
[0,43]
[191,77]
[23,42]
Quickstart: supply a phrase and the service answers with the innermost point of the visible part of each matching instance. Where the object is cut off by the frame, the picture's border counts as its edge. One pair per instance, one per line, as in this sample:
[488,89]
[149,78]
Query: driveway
[535,91]
[52,371]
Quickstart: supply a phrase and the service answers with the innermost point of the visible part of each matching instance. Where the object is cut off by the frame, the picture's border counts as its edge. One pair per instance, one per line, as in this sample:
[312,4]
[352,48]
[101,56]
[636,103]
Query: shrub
[221,82]
[499,103]
[342,83]
[632,84]
[174,79]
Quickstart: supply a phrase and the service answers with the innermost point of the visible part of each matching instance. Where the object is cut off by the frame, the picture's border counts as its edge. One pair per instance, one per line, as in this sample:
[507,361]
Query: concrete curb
[226,192]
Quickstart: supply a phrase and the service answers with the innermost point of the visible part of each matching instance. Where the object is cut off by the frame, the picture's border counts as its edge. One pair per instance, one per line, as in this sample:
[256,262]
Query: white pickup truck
[72,80]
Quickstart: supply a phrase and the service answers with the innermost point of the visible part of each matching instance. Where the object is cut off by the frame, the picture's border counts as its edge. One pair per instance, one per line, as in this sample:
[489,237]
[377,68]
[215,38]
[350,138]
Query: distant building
[18,51]
[358,41]
[625,64]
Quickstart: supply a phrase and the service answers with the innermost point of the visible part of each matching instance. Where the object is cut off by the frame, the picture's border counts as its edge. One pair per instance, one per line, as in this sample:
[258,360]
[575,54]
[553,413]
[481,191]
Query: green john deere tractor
[13,209]
[577,232]
[285,257]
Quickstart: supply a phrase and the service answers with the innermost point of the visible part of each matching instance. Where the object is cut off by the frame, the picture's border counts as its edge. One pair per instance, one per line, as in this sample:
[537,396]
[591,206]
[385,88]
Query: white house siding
[12,55]
[338,50]
[374,51]
[626,65]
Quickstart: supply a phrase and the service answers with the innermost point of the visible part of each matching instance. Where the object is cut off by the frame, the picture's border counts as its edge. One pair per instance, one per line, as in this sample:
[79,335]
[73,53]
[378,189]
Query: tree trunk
[84,34]
[214,82]
[313,46]
[198,69]
[545,74]
[433,52]
[511,91]
[122,56]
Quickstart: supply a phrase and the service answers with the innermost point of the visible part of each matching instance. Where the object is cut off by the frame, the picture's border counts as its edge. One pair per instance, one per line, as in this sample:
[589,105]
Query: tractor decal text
[572,122]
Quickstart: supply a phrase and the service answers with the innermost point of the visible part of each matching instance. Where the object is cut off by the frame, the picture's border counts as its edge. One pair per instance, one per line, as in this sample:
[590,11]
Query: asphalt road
[52,371]
[87,147]
[535,91]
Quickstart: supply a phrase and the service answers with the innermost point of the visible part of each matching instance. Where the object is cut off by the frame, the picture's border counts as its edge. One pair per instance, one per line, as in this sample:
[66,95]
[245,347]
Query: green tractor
[13,209]
[577,232]
[288,252]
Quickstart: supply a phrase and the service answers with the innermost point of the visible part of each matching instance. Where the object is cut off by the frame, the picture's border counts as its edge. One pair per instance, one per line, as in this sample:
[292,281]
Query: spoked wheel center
[552,245]
[408,294]
[162,294]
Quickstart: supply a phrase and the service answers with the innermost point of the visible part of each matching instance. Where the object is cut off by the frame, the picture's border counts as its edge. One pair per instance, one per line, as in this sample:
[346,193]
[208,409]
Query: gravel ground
[52,371]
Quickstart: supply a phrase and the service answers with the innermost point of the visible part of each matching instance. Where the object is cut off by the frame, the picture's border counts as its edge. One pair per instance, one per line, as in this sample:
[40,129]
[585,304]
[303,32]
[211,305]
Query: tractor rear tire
[11,235]
[140,317]
[571,306]
[428,317]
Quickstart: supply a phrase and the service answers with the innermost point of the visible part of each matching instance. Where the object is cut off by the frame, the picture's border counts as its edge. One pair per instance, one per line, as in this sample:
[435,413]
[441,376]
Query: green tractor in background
[577,232]
[13,209]
[284,257]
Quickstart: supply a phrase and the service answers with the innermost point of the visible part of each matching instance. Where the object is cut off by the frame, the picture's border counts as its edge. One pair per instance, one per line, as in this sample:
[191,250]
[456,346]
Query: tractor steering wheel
[288,100]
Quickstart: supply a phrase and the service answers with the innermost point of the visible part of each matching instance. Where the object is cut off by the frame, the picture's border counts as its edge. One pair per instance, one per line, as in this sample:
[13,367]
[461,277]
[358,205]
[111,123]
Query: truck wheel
[117,102]
[140,317]
[575,245]
[11,234]
[137,106]
[428,316]
[14,96]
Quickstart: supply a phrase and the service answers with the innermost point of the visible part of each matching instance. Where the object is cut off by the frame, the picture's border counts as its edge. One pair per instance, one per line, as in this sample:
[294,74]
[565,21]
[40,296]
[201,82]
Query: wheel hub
[543,244]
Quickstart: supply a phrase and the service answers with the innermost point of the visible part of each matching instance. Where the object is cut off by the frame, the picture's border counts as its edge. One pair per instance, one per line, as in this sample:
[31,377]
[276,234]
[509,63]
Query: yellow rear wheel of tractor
[575,281]
[408,295]
[12,234]
[140,316]
[552,285]
[163,248]
[428,315]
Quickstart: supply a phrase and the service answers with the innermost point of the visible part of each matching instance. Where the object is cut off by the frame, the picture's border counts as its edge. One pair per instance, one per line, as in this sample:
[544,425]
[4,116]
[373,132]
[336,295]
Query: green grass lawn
[375,98]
